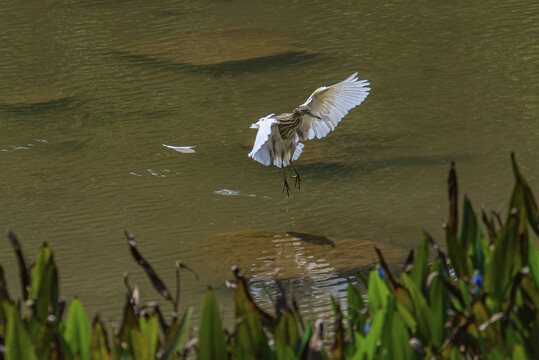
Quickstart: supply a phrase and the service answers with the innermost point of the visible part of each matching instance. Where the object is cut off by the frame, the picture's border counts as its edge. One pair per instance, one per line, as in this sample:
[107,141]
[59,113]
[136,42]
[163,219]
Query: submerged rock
[274,255]
[217,47]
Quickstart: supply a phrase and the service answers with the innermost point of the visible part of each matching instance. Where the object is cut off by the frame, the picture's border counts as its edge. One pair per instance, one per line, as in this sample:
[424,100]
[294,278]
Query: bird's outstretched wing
[263,147]
[332,103]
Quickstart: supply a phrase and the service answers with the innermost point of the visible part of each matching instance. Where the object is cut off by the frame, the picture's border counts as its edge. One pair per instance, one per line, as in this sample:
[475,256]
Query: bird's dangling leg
[285,186]
[298,179]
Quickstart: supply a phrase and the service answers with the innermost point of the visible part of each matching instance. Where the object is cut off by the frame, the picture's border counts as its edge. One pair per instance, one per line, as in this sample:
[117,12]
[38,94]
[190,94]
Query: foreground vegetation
[480,299]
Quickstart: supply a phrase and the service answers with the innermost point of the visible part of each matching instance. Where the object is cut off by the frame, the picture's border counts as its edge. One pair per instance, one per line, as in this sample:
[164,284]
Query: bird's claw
[297,183]
[286,187]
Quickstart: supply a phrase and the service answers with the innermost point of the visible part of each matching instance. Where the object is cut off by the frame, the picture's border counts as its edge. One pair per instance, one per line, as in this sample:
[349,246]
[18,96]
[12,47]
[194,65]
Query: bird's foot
[298,179]
[297,183]
[286,187]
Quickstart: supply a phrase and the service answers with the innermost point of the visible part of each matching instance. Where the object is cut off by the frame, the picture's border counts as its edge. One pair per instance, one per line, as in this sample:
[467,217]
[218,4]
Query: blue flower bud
[477,280]
[367,327]
[381,272]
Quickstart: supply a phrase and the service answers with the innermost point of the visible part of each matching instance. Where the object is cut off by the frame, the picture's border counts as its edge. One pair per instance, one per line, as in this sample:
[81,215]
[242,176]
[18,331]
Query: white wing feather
[332,104]
[256,125]
[182,149]
[263,147]
[298,151]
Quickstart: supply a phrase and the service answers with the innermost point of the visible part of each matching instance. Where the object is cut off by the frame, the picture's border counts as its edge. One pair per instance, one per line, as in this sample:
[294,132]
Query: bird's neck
[288,123]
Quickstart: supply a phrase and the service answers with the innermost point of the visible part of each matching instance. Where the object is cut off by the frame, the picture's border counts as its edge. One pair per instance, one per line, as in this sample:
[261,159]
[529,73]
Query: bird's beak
[314,115]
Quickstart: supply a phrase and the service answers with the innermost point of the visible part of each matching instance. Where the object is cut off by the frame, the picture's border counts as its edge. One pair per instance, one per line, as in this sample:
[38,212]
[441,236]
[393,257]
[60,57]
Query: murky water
[450,81]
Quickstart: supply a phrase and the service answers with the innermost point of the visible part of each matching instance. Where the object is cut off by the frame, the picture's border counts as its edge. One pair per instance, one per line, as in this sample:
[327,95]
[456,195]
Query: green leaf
[286,334]
[504,262]
[360,353]
[386,341]
[518,206]
[99,348]
[24,272]
[513,338]
[531,208]
[354,300]
[480,255]
[175,336]
[407,317]
[47,300]
[519,353]
[469,230]
[523,198]
[367,346]
[131,338]
[421,309]
[457,255]
[249,339]
[338,347]
[48,342]
[305,340]
[455,354]
[211,335]
[17,342]
[419,269]
[488,334]
[466,296]
[42,259]
[363,279]
[495,354]
[394,342]
[248,328]
[532,291]
[151,333]
[288,354]
[354,305]
[377,292]
[470,235]
[334,305]
[439,303]
[77,331]
[533,263]
[44,289]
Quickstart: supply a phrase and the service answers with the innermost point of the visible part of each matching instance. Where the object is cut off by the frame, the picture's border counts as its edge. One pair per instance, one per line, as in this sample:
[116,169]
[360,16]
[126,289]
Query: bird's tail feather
[292,154]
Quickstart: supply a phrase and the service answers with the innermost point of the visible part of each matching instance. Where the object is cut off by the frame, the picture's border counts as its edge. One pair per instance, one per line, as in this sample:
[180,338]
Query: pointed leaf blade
[77,331]
[23,269]
[457,255]
[17,342]
[211,335]
[99,347]
[419,269]
[175,336]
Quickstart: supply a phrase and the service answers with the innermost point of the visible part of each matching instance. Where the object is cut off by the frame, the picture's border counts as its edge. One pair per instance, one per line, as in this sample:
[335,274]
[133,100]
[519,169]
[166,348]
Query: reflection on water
[23,147]
[82,128]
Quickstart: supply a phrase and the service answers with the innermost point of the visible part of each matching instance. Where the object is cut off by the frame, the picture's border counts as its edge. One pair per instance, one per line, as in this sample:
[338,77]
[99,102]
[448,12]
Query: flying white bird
[279,137]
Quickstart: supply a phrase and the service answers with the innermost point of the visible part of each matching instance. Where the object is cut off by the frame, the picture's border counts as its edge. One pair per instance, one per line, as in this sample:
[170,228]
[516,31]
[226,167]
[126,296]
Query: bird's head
[305,110]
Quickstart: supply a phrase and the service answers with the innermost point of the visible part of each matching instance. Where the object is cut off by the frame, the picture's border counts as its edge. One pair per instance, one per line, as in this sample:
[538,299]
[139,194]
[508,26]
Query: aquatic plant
[34,327]
[477,299]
